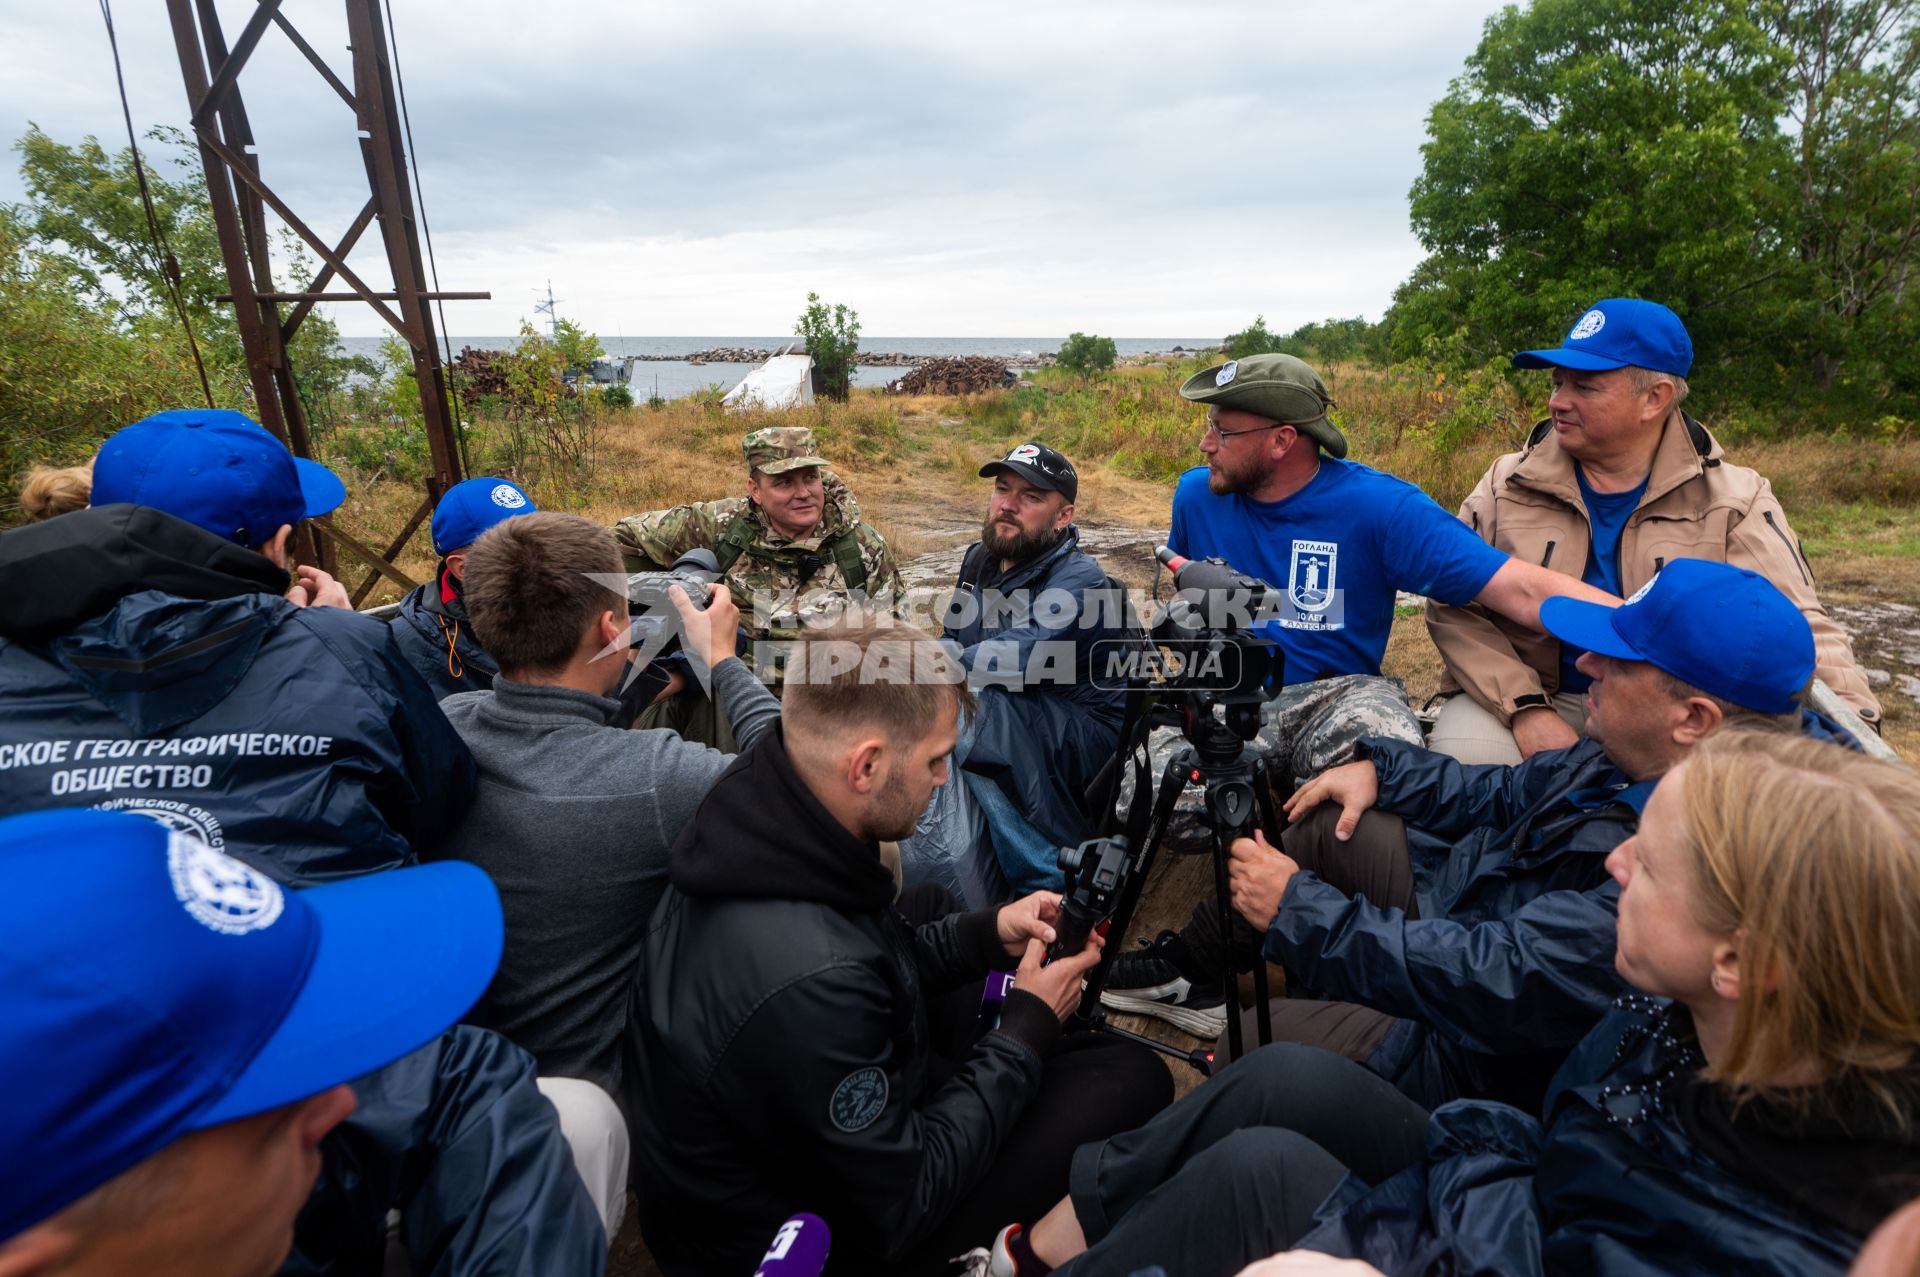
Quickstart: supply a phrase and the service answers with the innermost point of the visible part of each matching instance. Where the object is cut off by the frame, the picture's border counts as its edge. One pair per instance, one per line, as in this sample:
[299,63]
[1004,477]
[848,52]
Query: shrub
[617,397]
[832,335]
[1086,354]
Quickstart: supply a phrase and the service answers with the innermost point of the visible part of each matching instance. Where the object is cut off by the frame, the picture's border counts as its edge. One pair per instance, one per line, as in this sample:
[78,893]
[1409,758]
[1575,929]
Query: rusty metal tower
[240,197]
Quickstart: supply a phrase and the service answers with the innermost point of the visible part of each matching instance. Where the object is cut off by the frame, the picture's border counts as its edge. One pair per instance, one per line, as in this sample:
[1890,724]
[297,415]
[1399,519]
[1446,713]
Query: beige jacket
[1696,506]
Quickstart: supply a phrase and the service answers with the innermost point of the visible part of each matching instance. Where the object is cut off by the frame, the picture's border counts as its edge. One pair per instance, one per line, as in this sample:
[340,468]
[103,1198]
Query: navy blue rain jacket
[1610,1182]
[149,666]
[1043,736]
[437,640]
[459,1140]
[1511,959]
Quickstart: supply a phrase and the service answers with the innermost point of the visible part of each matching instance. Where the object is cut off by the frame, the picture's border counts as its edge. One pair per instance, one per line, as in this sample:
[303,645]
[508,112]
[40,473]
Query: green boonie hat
[778,449]
[1277,387]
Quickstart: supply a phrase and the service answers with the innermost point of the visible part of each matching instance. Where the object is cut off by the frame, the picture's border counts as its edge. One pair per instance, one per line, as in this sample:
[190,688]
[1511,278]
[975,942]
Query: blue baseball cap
[1723,629]
[152,985]
[216,469]
[472,506]
[1616,333]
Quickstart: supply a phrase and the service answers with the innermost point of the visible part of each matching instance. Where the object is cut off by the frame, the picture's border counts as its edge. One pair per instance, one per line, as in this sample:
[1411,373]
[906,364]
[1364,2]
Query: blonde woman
[52,490]
[1753,1109]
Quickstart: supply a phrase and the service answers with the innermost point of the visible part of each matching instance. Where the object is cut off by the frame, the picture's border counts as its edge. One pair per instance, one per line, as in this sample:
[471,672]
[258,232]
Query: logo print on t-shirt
[858,1100]
[1590,323]
[1310,577]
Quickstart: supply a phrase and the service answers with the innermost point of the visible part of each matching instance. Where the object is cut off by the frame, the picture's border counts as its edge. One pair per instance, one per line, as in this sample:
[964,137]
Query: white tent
[785,381]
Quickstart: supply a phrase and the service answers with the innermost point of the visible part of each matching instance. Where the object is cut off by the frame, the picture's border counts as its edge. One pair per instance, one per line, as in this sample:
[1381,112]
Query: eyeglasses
[1213,429]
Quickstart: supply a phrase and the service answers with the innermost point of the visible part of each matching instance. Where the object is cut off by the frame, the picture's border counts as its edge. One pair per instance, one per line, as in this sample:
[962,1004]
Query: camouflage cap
[778,449]
[1277,387]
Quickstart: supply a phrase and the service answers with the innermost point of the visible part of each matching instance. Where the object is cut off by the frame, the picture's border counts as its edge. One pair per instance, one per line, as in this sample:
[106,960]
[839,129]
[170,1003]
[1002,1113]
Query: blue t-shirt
[1607,512]
[1337,550]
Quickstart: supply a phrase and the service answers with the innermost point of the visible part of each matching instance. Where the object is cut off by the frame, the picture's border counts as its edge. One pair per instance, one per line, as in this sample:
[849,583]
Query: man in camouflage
[793,549]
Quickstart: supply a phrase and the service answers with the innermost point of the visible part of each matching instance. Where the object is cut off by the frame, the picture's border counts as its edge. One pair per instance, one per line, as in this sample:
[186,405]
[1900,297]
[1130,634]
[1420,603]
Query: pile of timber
[972,375]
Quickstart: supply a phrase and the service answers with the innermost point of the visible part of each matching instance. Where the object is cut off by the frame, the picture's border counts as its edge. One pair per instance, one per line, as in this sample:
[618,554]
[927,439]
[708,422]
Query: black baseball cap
[1039,465]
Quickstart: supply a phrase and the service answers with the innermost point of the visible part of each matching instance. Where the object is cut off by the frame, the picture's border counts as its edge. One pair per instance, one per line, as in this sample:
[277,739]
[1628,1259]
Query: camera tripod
[1237,799]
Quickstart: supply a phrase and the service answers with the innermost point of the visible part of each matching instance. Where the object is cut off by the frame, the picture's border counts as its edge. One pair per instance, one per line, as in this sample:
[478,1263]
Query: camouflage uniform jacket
[773,578]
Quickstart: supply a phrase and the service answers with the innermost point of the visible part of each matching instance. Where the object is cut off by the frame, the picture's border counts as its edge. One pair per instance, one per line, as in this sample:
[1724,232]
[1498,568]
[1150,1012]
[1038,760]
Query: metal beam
[230,69]
[240,197]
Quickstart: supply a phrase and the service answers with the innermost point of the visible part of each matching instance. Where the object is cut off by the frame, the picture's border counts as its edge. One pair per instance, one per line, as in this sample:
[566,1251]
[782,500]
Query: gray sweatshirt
[573,821]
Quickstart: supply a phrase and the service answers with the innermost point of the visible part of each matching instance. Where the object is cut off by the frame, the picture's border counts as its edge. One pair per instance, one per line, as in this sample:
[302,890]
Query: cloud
[965,170]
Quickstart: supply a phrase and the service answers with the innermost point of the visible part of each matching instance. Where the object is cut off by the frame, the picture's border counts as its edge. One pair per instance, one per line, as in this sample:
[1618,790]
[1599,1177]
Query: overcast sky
[978,169]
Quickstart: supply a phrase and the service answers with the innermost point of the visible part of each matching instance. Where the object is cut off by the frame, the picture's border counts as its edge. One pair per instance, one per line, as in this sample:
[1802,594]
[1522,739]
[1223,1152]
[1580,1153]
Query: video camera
[656,626]
[1097,871]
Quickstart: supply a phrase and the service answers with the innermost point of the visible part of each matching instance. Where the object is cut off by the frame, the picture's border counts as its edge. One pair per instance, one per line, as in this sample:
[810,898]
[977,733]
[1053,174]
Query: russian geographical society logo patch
[1641,593]
[1227,370]
[507,497]
[1590,323]
[218,891]
[858,1100]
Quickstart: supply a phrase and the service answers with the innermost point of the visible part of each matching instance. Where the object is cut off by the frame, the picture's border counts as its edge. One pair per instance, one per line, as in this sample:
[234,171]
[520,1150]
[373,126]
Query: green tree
[1086,354]
[1255,339]
[576,345]
[832,335]
[1752,166]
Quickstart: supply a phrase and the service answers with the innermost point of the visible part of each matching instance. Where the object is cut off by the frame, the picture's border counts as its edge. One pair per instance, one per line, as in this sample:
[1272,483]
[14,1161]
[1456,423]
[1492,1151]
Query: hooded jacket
[1028,636]
[778,1042]
[1697,505]
[149,666]
[1628,1171]
[436,639]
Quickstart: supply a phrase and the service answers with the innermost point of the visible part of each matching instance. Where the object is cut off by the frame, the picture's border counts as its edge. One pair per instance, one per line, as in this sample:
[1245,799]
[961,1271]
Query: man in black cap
[1025,614]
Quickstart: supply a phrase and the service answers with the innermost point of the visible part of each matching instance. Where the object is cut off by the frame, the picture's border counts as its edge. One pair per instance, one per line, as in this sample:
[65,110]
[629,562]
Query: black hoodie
[147,665]
[779,1046]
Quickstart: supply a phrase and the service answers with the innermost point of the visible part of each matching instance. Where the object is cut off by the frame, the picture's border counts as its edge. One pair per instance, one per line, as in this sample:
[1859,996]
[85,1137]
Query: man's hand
[1030,918]
[708,635]
[1355,786]
[1539,727]
[314,588]
[1058,982]
[1258,877]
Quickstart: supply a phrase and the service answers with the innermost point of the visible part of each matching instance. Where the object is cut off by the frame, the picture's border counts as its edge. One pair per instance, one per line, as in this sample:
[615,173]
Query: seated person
[574,815]
[1460,918]
[186,1030]
[793,550]
[1024,618]
[1754,1107]
[432,629]
[781,1058]
[1620,475]
[1338,540]
[155,656]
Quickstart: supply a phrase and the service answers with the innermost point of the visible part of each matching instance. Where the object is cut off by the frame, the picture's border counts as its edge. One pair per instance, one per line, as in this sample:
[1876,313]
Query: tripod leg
[1263,803]
[1229,980]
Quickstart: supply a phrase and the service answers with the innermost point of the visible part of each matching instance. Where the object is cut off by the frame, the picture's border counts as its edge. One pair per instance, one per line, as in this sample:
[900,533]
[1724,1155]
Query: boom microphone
[799,1249]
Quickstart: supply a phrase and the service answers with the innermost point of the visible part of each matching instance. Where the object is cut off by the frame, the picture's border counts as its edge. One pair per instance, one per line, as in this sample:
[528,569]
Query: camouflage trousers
[1305,730]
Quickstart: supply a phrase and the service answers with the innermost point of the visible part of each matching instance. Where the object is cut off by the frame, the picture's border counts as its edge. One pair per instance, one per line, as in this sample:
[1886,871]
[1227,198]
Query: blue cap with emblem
[1723,629]
[1619,332]
[216,469]
[151,985]
[472,506]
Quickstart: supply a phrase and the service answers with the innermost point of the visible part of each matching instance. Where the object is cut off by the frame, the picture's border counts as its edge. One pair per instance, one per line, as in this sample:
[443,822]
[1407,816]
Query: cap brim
[1560,357]
[1032,474]
[1587,625]
[401,956]
[319,487]
[791,463]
